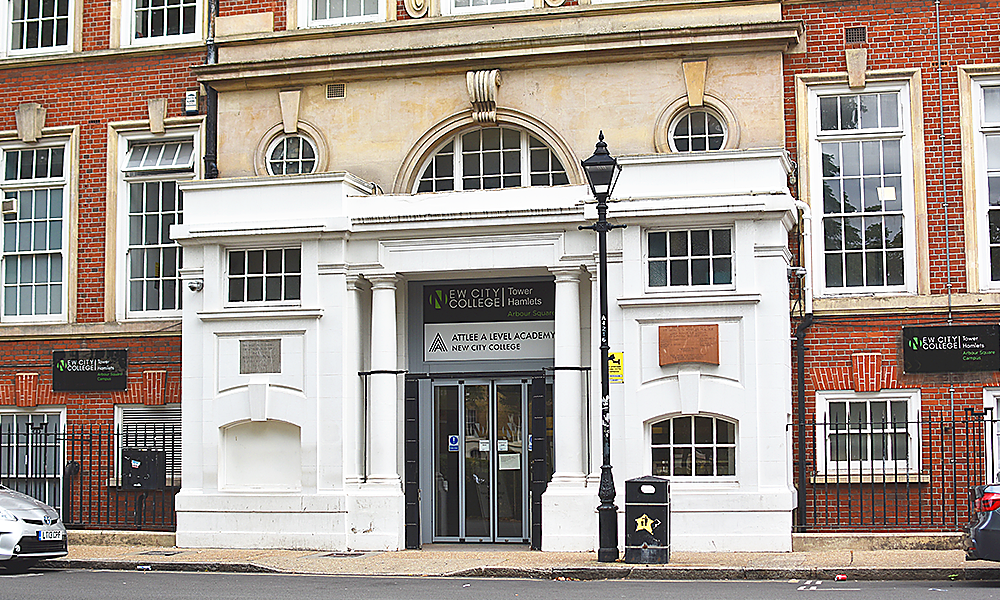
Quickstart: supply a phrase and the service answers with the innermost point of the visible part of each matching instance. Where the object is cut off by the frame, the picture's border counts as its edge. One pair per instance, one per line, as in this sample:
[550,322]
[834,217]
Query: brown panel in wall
[689,343]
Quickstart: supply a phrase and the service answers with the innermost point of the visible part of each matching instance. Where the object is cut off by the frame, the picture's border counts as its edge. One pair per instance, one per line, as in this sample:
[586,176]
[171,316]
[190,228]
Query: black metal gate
[895,475]
[98,476]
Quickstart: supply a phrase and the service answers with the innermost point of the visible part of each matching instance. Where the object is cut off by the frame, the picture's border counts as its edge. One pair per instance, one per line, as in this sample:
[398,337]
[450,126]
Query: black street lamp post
[602,172]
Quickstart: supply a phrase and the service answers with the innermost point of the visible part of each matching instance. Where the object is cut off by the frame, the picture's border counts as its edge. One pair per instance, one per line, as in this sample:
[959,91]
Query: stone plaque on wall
[689,343]
[260,356]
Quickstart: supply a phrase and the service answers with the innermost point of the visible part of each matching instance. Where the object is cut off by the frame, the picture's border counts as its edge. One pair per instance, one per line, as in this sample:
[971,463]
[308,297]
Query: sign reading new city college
[89,370]
[951,349]
[489,321]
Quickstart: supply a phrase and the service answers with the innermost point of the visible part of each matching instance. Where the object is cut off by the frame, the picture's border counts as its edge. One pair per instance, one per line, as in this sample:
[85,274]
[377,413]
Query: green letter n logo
[914,343]
[438,299]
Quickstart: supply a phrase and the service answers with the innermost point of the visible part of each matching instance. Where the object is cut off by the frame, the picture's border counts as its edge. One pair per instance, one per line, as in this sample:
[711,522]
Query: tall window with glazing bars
[38,24]
[152,171]
[34,237]
[164,18]
[863,199]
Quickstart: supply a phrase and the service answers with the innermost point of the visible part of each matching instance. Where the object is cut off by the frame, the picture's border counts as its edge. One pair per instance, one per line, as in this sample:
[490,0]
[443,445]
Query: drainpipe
[212,99]
[944,161]
[805,242]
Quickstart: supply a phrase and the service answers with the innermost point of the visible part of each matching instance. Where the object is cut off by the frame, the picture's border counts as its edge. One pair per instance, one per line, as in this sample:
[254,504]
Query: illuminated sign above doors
[489,321]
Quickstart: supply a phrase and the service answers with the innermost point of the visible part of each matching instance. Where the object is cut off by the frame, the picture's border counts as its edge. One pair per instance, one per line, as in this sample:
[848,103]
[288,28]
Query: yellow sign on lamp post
[616,367]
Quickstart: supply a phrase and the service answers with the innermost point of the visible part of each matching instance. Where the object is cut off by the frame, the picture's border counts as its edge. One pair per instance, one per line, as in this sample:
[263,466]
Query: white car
[30,531]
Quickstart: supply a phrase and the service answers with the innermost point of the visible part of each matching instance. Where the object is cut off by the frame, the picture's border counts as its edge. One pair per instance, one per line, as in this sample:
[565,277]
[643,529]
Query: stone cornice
[536,38]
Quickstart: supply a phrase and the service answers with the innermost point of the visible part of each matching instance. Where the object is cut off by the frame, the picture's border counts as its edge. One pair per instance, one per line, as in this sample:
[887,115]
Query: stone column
[569,410]
[383,400]
[354,417]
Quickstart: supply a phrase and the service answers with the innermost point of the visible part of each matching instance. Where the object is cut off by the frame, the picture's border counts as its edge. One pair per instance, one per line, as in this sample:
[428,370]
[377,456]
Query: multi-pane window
[990,132]
[697,130]
[492,158]
[38,24]
[456,6]
[865,431]
[857,433]
[31,455]
[165,18]
[291,155]
[154,260]
[344,10]
[690,257]
[862,155]
[34,236]
[265,275]
[694,446]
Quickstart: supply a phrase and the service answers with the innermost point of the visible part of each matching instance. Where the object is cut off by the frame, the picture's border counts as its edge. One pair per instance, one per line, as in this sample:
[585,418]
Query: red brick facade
[859,349]
[88,91]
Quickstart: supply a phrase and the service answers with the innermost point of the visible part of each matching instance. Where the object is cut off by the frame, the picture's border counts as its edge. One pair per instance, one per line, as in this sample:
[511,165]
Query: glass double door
[481,461]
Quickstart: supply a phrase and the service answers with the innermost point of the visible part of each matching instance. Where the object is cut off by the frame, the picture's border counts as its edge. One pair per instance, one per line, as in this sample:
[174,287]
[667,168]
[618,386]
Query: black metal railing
[894,473]
[82,472]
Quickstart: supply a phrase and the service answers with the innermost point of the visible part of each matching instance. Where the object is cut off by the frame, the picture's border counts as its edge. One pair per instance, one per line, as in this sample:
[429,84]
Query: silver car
[30,531]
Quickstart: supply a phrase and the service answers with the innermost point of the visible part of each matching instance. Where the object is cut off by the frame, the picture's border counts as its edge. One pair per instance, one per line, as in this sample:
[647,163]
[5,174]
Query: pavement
[820,562]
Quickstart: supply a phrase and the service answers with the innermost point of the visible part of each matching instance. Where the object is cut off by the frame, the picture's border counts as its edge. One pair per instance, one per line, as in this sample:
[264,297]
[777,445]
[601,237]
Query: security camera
[196,285]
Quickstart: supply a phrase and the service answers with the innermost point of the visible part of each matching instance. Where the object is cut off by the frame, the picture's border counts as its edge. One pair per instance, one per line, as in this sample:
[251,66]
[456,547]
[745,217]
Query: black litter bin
[647,520]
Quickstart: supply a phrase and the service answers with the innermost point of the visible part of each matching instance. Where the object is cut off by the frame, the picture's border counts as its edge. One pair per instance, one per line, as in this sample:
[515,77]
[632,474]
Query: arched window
[290,155]
[696,130]
[491,158]
[699,446]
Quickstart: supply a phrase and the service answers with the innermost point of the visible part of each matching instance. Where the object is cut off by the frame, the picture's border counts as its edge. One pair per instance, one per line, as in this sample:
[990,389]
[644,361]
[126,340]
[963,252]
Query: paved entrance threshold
[481,560]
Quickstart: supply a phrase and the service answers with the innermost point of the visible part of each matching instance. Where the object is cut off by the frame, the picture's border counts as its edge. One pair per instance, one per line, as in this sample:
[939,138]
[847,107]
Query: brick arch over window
[430,142]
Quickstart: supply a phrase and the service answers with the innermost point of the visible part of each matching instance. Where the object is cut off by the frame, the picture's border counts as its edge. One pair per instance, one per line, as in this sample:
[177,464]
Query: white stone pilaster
[354,417]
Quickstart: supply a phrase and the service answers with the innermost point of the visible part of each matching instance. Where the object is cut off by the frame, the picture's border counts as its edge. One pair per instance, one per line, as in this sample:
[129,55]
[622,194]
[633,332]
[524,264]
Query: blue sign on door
[452,443]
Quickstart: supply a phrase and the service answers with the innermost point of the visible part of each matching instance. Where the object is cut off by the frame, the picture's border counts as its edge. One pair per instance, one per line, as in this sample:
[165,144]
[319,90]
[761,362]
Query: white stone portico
[308,454]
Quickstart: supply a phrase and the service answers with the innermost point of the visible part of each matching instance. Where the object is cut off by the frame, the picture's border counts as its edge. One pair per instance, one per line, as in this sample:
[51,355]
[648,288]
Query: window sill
[831,305]
[262,312]
[870,478]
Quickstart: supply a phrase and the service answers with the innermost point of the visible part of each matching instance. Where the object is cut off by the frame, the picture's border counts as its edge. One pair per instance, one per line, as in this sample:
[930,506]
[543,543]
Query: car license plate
[49,536]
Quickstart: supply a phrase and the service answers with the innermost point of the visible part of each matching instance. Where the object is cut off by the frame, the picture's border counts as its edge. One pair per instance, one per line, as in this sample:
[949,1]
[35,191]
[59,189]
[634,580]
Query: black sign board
[511,300]
[89,370]
[951,349]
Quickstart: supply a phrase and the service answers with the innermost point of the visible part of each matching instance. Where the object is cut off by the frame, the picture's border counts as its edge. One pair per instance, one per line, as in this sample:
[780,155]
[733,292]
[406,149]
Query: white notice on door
[501,445]
[484,445]
[510,462]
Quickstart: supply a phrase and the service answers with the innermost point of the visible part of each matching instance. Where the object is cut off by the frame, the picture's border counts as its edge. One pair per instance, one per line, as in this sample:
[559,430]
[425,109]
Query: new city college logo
[438,299]
[914,343]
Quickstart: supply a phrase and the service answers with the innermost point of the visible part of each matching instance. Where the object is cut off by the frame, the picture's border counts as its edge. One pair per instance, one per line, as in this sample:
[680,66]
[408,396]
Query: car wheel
[17,566]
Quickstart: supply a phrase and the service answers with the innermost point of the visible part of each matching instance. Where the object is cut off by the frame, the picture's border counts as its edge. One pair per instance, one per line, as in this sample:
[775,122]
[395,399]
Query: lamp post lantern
[602,171]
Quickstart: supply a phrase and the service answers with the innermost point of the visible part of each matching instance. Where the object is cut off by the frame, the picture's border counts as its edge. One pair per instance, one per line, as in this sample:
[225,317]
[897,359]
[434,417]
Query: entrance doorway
[481,460]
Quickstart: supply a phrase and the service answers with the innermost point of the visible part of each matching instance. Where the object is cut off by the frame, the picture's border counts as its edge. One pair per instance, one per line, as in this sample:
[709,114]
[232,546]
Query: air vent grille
[335,91]
[856,35]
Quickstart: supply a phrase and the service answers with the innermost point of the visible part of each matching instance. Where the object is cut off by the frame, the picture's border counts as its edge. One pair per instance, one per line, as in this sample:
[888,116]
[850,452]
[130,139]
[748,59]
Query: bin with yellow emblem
[647,520]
